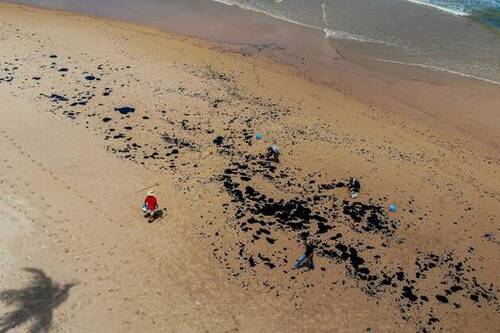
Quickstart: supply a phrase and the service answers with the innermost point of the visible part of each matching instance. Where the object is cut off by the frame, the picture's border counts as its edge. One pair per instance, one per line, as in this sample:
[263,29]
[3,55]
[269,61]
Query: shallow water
[442,35]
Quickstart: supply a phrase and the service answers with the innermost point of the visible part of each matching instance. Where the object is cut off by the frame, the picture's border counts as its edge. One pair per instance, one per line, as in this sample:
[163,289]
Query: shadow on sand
[157,215]
[34,304]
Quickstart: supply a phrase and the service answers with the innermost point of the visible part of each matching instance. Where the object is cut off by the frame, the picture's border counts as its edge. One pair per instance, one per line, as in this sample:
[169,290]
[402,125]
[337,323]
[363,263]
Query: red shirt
[151,202]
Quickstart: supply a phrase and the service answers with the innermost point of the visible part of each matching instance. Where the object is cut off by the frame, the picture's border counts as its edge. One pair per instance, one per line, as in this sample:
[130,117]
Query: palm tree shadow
[34,304]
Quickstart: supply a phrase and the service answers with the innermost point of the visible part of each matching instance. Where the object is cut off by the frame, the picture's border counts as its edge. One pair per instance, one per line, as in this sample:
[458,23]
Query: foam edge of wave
[438,69]
[444,9]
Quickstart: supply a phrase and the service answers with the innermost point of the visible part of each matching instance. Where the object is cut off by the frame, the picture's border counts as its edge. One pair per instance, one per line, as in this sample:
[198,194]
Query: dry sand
[73,170]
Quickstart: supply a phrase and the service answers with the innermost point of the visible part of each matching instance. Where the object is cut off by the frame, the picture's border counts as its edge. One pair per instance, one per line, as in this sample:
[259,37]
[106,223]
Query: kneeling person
[273,153]
[150,205]
[354,186]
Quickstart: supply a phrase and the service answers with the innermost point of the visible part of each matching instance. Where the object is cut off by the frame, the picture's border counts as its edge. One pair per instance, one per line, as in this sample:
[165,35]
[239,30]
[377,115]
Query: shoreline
[221,258]
[247,22]
[220,10]
[360,39]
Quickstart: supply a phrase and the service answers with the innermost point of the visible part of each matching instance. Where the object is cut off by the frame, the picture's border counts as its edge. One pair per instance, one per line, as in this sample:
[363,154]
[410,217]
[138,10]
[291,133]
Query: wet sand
[74,165]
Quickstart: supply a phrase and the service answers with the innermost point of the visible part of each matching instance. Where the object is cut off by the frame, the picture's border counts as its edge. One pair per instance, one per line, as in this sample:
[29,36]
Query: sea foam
[442,8]
[438,69]
[329,33]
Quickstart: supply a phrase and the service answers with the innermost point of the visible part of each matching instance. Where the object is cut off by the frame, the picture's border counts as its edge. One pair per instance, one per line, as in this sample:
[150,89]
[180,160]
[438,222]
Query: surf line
[438,69]
[260,11]
[444,9]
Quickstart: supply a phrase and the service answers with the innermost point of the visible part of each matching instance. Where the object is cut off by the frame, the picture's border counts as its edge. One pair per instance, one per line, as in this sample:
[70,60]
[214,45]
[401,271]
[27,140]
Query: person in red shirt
[150,205]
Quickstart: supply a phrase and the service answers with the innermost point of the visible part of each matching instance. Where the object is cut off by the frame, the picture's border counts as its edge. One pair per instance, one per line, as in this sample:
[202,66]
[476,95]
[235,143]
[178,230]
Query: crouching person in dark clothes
[307,258]
[273,153]
[354,186]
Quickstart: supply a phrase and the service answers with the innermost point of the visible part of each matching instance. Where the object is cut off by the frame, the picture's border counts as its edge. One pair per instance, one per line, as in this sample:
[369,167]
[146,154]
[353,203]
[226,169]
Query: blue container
[258,136]
[393,208]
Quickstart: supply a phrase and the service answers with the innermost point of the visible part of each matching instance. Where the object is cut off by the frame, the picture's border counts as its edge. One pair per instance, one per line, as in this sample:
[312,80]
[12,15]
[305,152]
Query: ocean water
[485,11]
[461,37]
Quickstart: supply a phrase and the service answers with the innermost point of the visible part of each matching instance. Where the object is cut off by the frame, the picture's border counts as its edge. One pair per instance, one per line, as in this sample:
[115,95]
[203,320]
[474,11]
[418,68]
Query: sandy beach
[94,112]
